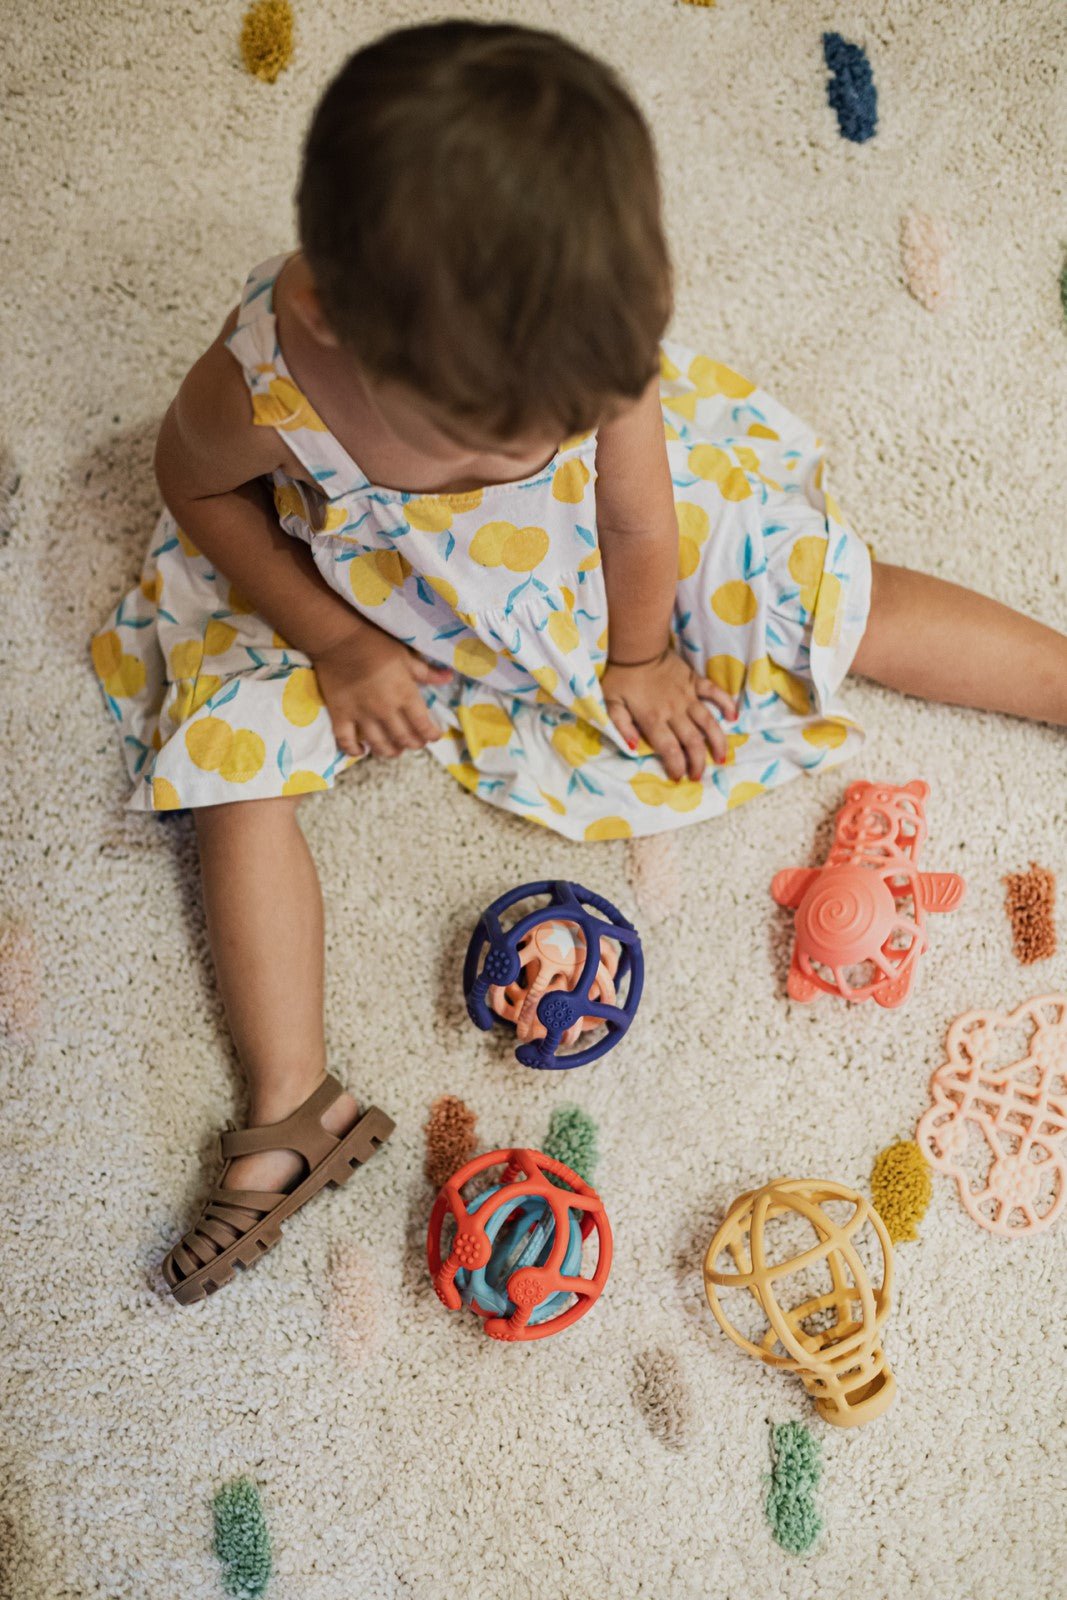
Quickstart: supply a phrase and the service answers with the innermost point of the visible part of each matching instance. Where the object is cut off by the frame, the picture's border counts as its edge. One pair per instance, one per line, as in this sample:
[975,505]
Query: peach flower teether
[998,1122]
[861,918]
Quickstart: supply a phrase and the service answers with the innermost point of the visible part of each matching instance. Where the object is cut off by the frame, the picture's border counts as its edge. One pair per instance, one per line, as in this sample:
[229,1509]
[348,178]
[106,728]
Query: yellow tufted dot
[185,658]
[218,636]
[726,672]
[303,782]
[735,602]
[828,734]
[742,792]
[473,658]
[244,757]
[164,796]
[577,743]
[446,590]
[901,1188]
[709,462]
[208,743]
[569,481]
[827,611]
[609,828]
[301,698]
[711,377]
[563,631]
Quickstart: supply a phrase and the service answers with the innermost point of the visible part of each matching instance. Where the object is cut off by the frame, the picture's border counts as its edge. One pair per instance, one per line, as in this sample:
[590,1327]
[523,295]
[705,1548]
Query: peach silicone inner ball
[553,956]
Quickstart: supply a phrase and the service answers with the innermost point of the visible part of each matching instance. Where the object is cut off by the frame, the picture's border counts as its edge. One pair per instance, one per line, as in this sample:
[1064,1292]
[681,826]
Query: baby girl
[429,455]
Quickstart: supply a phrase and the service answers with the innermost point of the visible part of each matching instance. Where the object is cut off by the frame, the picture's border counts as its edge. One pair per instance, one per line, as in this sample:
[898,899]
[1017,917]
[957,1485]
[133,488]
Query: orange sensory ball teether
[513,1253]
[861,918]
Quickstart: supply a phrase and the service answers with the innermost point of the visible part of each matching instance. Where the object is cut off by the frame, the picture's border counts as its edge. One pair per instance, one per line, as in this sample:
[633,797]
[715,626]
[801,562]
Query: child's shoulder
[209,432]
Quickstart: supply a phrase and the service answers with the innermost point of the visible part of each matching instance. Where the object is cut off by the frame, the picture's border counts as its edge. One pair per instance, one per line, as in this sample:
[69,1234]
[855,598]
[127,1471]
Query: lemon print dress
[505,586]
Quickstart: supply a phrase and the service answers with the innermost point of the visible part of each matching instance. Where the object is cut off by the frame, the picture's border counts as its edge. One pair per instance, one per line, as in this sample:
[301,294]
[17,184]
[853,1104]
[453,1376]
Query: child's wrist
[648,661]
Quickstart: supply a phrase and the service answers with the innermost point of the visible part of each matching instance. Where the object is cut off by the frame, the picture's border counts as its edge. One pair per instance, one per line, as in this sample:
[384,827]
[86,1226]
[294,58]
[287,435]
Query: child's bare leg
[265,923]
[942,642]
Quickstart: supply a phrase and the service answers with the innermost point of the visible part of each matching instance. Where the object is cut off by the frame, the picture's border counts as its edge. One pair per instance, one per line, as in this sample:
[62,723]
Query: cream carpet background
[145,172]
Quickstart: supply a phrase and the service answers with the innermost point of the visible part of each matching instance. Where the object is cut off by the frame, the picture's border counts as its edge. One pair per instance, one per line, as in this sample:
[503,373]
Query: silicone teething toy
[516,1258]
[561,970]
[861,918]
[998,1123]
[831,1339]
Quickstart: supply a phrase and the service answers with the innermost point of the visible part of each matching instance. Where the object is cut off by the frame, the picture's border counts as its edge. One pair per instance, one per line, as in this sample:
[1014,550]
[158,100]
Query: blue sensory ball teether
[570,965]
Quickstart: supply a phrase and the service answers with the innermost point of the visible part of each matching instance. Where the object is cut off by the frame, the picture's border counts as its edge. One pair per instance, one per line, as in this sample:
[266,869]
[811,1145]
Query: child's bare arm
[210,464]
[650,691]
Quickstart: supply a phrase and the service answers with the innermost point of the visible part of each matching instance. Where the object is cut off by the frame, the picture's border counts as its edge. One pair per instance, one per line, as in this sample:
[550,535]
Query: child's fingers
[348,737]
[427,672]
[620,716]
[377,740]
[725,702]
[423,728]
[666,745]
[692,740]
[710,731]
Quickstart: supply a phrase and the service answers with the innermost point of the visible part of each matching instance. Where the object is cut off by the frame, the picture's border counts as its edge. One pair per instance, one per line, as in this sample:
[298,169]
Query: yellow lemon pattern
[504,586]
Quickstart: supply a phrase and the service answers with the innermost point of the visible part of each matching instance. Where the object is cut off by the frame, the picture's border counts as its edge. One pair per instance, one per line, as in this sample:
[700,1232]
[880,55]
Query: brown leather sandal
[205,1258]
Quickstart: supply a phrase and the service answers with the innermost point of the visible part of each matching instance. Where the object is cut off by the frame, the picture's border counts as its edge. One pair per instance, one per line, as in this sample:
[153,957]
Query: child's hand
[370,683]
[665,702]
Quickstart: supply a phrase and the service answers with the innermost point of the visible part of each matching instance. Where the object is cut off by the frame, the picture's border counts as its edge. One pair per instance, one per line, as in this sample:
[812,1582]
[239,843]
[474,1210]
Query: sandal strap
[301,1131]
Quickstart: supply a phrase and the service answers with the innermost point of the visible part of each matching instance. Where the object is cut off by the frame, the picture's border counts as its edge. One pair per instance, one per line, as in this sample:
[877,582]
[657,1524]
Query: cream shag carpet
[145,172]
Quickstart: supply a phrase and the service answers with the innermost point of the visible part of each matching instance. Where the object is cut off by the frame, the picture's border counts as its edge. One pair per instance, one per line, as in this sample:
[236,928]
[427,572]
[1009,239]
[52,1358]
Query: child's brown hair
[480,210]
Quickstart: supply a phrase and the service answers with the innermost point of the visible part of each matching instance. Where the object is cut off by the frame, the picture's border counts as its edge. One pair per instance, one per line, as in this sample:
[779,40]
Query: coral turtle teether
[861,918]
[516,1258]
[560,971]
[830,1339]
[998,1122]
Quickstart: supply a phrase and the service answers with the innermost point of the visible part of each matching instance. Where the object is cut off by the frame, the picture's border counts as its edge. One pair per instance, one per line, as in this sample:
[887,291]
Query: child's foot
[272,1169]
[277,1169]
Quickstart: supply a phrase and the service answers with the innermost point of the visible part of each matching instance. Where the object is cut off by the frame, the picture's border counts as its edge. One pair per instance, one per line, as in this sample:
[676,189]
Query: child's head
[480,212]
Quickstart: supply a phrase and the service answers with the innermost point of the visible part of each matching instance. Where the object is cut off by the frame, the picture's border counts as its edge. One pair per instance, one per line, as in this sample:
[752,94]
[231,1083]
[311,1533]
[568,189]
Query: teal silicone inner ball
[521,1232]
